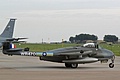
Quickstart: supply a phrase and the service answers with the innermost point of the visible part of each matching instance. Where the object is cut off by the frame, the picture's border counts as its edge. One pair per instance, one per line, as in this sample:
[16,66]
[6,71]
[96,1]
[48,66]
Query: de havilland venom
[71,56]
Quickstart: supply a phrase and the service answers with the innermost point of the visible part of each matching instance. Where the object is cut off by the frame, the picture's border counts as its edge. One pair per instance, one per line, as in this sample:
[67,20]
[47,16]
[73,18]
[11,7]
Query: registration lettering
[28,53]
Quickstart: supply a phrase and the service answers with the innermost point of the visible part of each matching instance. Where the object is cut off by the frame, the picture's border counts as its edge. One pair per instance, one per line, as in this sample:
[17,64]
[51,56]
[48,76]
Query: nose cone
[107,53]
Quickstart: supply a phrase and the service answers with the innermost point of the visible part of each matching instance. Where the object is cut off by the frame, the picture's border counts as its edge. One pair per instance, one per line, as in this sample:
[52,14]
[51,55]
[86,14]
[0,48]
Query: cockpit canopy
[91,45]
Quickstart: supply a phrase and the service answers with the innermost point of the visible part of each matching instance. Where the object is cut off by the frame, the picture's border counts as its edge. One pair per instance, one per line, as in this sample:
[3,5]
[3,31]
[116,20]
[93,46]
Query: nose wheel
[111,65]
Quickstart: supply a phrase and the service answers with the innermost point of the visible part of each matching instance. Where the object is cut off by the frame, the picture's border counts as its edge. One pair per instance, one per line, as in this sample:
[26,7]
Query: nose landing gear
[111,65]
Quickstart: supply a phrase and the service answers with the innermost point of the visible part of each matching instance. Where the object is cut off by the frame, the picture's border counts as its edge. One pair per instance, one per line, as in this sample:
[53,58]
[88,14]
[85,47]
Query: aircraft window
[89,45]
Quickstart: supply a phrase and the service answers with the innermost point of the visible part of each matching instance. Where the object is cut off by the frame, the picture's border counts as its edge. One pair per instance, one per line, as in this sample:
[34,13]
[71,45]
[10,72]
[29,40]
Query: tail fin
[8,31]
[8,45]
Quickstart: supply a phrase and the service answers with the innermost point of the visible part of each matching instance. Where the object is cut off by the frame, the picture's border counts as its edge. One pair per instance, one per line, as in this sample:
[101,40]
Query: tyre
[67,65]
[74,65]
[111,65]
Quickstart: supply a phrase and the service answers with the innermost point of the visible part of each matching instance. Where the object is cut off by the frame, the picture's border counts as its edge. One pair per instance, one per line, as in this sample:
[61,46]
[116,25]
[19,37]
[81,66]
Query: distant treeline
[81,38]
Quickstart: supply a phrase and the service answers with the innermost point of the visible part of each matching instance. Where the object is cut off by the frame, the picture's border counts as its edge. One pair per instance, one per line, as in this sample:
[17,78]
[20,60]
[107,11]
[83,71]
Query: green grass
[44,47]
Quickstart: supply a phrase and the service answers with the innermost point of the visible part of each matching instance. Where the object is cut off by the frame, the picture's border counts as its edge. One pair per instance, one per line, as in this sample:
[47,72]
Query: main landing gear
[71,65]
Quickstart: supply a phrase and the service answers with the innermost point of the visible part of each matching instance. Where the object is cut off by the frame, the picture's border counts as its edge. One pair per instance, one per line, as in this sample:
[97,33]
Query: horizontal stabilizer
[15,39]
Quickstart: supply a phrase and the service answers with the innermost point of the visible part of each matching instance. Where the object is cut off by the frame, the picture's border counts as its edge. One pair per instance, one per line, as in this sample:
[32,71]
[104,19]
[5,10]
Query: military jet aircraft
[8,31]
[7,34]
[71,56]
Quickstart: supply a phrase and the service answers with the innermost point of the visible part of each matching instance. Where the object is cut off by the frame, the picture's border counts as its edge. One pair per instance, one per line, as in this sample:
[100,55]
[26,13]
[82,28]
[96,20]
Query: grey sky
[60,19]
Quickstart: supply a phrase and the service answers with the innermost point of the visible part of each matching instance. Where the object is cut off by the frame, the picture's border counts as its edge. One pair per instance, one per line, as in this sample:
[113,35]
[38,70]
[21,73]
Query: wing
[81,61]
[74,53]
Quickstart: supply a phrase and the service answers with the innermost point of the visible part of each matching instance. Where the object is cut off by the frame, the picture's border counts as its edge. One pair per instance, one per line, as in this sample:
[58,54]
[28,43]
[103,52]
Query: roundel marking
[44,54]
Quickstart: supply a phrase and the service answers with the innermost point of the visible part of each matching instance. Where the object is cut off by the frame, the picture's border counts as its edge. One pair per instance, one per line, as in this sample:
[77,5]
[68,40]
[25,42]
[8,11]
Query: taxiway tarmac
[31,68]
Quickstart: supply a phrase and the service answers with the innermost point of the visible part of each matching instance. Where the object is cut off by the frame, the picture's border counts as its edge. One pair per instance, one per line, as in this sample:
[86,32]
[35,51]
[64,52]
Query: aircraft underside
[73,63]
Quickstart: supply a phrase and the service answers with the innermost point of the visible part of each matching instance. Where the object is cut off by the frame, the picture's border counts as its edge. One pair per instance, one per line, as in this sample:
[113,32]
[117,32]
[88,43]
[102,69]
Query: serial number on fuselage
[28,54]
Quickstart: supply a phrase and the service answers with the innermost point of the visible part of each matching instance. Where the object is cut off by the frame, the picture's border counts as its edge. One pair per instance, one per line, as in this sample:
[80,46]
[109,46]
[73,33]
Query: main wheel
[74,65]
[67,65]
[111,65]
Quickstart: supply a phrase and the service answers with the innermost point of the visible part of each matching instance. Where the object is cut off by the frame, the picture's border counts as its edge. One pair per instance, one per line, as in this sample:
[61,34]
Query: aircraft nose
[108,54]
